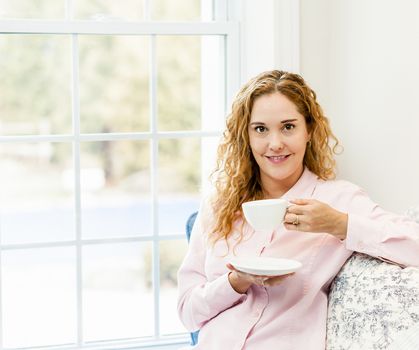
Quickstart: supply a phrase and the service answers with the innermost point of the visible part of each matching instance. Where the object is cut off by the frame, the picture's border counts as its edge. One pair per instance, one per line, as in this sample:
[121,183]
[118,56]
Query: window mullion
[109,136]
[233,64]
[154,184]
[77,185]
[69,9]
[147,10]
[114,27]
[220,10]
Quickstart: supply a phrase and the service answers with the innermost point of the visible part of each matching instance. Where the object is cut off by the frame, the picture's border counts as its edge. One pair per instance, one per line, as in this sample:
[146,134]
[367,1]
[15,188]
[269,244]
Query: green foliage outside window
[114,90]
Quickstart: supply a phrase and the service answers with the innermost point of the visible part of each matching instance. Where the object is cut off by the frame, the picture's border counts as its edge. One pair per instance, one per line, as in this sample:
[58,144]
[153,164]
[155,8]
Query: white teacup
[265,214]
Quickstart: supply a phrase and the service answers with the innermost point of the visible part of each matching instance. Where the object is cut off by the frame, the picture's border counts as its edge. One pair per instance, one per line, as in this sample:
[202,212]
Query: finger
[260,281]
[240,275]
[301,201]
[296,209]
[294,219]
[231,267]
[238,272]
[288,218]
[291,227]
[277,279]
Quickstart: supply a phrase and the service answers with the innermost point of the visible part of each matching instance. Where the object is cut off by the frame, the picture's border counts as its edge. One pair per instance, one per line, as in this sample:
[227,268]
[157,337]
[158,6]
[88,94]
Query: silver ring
[296,221]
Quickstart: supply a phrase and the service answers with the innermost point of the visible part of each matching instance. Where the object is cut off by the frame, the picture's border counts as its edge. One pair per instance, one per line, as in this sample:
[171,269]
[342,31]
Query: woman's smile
[278,159]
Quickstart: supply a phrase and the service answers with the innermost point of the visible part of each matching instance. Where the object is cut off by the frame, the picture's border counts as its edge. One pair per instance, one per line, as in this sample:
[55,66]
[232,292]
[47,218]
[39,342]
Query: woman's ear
[308,143]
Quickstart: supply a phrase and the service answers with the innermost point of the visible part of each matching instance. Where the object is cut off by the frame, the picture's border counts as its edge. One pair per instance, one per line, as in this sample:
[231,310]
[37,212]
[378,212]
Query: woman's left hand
[311,215]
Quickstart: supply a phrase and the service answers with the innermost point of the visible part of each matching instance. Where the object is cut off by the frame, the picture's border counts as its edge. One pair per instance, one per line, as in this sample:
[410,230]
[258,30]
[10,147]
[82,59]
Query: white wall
[257,38]
[269,36]
[362,59]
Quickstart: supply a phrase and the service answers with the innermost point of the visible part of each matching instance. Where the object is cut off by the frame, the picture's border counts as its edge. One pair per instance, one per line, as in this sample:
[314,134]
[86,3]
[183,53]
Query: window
[109,116]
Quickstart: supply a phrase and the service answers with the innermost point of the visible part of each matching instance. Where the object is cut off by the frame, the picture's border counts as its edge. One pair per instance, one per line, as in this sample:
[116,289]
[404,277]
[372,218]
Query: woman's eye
[288,127]
[260,129]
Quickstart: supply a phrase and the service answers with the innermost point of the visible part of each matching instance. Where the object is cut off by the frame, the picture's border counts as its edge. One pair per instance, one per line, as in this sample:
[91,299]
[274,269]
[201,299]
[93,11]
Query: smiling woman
[278,143]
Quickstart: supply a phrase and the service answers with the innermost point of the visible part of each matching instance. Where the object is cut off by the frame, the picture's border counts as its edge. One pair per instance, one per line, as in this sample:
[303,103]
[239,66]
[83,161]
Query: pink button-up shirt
[292,314]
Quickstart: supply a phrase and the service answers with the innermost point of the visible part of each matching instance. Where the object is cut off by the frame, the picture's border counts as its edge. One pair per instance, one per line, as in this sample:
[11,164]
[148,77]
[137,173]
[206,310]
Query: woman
[277,145]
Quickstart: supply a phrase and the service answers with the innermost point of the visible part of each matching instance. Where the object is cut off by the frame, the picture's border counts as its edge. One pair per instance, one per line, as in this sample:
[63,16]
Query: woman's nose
[275,143]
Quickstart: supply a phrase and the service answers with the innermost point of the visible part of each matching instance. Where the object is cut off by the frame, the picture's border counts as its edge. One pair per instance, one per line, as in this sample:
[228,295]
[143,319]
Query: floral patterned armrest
[413,213]
[371,302]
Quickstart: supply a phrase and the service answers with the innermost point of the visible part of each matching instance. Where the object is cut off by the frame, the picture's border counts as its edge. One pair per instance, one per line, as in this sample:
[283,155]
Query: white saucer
[265,266]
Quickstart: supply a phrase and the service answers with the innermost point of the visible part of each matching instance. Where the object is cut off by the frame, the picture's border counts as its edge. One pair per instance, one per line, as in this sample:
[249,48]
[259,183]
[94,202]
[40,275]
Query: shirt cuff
[362,235]
[220,295]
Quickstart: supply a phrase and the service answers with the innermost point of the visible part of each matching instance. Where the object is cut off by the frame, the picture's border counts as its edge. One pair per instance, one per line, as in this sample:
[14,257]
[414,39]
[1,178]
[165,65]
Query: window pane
[213,86]
[114,83]
[117,300]
[35,95]
[37,192]
[121,9]
[115,182]
[179,10]
[38,297]
[171,256]
[32,9]
[179,182]
[179,82]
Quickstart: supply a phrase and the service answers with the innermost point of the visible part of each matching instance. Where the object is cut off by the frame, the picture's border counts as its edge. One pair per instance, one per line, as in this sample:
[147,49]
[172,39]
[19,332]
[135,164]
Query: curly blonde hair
[237,177]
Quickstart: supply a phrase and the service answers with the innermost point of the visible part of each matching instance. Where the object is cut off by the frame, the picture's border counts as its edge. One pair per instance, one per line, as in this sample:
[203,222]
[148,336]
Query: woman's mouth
[277,159]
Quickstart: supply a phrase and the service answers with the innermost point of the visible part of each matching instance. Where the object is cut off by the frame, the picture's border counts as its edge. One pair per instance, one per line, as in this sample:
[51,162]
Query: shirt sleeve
[376,232]
[199,299]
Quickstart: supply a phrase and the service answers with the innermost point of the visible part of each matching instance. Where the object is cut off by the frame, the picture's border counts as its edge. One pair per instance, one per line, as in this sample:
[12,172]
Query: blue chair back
[189,225]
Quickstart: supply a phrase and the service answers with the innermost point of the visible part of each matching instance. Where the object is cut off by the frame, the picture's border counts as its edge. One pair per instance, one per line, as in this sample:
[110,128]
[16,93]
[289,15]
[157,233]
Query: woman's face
[278,137]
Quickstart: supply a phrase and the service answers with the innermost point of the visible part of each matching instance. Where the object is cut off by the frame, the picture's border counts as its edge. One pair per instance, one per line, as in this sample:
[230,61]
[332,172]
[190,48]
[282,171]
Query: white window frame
[223,27]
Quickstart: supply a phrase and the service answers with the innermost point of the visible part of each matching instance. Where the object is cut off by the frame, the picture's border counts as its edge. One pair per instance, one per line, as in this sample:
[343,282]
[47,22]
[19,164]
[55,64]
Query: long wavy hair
[236,176]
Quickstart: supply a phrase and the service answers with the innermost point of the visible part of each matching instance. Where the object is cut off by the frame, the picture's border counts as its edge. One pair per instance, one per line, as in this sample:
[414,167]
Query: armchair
[373,304]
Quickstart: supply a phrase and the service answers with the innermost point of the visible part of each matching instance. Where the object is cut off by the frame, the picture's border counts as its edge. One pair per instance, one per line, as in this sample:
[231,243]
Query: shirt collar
[304,187]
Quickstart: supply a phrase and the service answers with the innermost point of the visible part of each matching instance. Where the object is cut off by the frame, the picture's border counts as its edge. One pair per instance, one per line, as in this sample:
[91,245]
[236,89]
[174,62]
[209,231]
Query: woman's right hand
[241,281]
